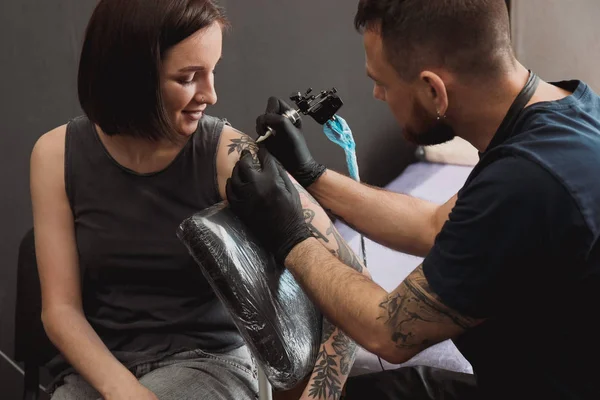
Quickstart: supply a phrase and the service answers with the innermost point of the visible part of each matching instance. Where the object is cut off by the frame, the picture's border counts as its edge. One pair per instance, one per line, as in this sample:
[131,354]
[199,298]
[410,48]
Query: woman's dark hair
[119,70]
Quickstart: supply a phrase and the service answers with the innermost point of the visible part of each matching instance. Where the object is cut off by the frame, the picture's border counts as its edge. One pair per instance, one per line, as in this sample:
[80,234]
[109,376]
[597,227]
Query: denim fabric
[188,375]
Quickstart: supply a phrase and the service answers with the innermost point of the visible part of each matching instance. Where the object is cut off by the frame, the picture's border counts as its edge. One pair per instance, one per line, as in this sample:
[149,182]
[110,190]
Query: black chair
[32,346]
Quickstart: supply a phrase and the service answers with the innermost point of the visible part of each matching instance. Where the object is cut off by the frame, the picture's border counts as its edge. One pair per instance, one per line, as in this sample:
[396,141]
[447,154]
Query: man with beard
[511,267]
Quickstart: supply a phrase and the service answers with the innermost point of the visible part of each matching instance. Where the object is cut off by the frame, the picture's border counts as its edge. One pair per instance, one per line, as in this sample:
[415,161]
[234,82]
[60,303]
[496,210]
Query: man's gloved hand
[267,202]
[288,144]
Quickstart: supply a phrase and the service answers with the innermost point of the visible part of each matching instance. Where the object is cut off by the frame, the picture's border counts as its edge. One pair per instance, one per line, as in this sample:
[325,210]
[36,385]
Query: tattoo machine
[321,108]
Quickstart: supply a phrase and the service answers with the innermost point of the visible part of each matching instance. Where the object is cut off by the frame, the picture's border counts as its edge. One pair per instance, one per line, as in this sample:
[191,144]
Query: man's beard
[431,130]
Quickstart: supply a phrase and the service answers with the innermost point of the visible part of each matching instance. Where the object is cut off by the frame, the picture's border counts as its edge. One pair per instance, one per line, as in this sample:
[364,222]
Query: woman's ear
[436,92]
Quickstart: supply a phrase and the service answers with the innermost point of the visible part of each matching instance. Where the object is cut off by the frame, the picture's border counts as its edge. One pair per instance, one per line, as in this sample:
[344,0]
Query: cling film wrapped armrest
[279,323]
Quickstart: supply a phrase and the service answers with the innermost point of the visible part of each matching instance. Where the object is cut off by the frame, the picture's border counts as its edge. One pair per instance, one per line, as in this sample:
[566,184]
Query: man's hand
[264,198]
[288,144]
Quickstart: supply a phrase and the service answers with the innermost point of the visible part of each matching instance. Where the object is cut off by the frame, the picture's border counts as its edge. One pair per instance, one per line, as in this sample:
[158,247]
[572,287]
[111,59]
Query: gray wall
[279,47]
[558,39]
[275,48]
[39,42]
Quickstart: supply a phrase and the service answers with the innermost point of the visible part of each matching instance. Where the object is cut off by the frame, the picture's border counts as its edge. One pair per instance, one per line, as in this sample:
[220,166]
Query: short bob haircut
[119,70]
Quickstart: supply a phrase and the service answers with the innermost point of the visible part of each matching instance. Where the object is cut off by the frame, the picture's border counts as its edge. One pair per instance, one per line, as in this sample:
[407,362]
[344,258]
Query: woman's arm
[337,351]
[58,266]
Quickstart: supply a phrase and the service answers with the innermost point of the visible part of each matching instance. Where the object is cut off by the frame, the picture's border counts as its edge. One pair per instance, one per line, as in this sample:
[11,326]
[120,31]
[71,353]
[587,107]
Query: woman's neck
[140,155]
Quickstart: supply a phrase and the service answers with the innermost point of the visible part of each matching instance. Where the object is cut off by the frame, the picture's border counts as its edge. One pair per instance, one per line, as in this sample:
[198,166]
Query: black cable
[380,363]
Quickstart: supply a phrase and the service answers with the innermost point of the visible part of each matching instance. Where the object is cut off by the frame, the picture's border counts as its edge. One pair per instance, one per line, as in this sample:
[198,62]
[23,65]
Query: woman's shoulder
[51,144]
[47,162]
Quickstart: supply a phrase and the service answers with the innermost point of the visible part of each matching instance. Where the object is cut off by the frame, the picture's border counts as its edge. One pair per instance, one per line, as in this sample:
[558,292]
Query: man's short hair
[119,70]
[468,37]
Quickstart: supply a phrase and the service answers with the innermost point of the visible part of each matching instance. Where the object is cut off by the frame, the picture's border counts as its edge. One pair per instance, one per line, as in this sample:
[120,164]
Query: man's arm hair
[395,326]
[398,221]
[416,318]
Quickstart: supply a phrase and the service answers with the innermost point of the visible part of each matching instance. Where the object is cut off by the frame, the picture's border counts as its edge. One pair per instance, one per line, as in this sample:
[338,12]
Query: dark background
[275,48]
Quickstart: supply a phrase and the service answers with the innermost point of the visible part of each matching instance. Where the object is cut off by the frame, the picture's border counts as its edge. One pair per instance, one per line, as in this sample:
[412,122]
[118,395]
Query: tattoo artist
[511,269]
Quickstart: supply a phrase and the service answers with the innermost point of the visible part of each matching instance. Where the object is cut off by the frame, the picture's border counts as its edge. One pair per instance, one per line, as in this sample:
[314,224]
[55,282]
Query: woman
[122,299]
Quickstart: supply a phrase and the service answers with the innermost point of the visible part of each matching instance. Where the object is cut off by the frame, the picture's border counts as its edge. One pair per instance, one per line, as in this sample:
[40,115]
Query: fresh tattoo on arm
[413,306]
[242,143]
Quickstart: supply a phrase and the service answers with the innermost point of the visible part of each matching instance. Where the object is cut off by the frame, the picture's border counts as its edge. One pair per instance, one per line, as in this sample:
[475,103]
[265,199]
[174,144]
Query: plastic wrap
[279,323]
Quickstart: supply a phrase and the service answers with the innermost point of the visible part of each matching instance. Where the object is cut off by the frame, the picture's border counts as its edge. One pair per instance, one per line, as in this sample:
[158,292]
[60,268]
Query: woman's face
[187,77]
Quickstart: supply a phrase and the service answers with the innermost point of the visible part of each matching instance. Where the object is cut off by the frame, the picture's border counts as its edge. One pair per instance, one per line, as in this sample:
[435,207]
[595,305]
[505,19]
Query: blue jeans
[188,375]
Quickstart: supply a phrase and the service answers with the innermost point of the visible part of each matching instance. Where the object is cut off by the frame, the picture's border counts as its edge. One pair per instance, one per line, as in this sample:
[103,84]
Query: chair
[277,320]
[32,346]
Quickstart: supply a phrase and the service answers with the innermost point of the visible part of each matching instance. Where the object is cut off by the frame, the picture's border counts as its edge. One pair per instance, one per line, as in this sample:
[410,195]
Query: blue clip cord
[338,131]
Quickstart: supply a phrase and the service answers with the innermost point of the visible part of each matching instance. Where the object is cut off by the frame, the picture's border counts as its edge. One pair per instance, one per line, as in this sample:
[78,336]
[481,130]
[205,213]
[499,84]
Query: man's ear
[436,93]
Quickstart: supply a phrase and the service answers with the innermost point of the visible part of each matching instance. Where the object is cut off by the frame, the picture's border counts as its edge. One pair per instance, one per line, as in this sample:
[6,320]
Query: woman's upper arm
[53,224]
[232,143]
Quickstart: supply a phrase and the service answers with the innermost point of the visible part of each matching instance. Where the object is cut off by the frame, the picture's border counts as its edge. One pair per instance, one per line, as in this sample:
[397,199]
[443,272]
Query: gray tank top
[142,291]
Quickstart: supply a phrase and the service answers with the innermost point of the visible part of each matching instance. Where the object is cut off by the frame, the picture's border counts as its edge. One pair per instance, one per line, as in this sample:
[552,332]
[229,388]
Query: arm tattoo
[346,349]
[331,215]
[242,143]
[331,367]
[344,253]
[301,189]
[328,329]
[327,382]
[414,302]
[309,216]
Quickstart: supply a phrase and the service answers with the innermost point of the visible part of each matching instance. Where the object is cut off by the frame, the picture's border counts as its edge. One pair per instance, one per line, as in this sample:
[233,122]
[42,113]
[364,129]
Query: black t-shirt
[519,249]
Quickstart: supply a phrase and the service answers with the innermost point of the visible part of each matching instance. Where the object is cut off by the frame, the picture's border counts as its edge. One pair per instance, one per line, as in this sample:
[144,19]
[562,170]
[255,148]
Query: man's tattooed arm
[337,352]
[417,318]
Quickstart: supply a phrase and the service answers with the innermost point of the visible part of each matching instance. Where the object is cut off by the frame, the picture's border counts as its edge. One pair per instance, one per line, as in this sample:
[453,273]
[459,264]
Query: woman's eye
[188,80]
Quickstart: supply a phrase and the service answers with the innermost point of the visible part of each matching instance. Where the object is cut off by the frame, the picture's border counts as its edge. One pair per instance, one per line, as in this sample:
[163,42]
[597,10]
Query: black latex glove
[287,144]
[267,202]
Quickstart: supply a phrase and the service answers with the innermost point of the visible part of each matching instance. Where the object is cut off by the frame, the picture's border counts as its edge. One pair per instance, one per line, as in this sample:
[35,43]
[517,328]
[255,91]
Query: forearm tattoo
[415,303]
[309,216]
[327,381]
[331,367]
[346,349]
[344,253]
[327,330]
